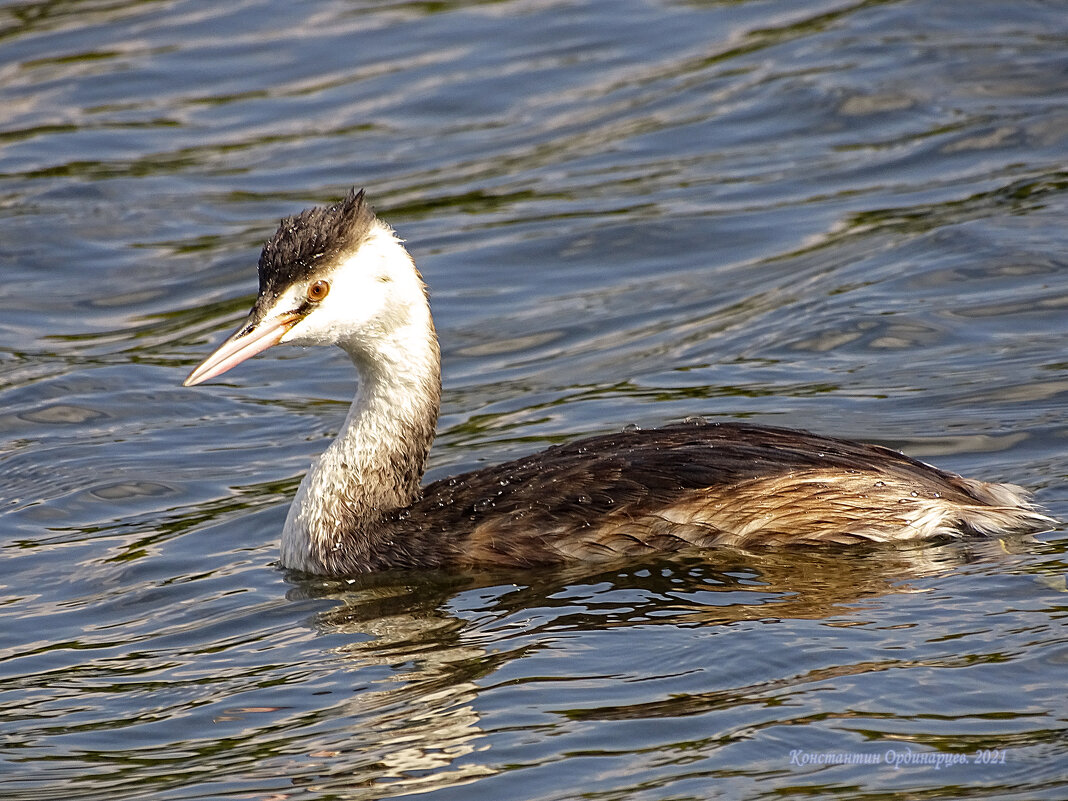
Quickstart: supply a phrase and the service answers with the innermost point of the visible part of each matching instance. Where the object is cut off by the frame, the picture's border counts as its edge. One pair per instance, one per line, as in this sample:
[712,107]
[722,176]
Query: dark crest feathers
[317,236]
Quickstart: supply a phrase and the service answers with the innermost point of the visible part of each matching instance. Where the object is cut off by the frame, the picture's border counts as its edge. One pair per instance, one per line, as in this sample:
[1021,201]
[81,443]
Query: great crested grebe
[340,276]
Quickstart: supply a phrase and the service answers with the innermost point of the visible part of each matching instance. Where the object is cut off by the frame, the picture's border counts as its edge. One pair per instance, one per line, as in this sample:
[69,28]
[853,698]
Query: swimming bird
[339,275]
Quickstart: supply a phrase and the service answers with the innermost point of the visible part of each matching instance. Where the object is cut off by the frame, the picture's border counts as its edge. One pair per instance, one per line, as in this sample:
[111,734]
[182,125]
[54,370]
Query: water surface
[848,217]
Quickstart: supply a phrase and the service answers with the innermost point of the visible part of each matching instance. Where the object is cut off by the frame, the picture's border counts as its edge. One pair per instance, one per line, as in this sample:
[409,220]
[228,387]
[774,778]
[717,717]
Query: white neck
[375,464]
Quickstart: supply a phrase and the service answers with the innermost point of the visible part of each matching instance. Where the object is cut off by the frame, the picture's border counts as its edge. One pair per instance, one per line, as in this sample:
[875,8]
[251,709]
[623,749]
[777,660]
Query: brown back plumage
[694,485]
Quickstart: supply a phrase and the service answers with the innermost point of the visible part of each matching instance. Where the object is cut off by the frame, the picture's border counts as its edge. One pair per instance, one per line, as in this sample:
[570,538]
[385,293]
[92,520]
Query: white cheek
[370,297]
[351,308]
[315,329]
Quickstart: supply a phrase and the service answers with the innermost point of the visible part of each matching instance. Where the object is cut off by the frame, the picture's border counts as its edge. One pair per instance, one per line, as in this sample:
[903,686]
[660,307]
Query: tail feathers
[821,507]
[1003,509]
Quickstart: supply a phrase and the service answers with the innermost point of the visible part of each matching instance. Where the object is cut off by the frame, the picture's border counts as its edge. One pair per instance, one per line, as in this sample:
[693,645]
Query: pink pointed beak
[243,344]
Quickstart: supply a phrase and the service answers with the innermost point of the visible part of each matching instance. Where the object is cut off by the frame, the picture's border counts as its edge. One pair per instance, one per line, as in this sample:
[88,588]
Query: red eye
[318,291]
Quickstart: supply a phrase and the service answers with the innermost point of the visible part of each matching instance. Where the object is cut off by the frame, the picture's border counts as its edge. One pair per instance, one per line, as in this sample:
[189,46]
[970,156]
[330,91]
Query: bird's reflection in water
[432,640]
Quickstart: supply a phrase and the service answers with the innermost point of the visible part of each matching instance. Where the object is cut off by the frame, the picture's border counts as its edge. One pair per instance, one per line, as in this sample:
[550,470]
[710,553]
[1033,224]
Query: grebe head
[329,276]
